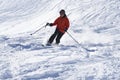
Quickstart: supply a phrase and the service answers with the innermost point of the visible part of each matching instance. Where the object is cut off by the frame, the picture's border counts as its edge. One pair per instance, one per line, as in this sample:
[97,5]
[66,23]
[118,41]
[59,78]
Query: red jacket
[62,23]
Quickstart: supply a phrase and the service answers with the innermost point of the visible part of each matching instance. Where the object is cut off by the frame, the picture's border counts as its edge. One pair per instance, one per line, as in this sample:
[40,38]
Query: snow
[93,23]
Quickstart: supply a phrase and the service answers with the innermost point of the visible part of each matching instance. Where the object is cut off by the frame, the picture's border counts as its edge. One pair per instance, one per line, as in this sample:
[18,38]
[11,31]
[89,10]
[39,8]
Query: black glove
[49,24]
[65,29]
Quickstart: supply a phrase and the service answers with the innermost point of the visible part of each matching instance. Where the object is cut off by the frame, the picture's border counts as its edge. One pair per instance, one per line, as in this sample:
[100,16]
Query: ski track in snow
[23,58]
[26,59]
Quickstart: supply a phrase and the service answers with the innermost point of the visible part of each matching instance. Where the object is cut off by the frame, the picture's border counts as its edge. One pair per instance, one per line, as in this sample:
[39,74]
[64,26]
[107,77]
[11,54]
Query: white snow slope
[95,24]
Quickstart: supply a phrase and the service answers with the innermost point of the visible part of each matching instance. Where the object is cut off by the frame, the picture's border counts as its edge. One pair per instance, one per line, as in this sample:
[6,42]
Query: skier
[62,23]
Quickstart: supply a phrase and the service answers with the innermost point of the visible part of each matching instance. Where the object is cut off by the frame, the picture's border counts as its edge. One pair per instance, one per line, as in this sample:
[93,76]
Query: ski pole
[38,30]
[73,38]
[84,49]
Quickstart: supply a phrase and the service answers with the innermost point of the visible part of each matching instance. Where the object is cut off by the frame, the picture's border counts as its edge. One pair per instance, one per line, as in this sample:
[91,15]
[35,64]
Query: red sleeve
[67,23]
[56,21]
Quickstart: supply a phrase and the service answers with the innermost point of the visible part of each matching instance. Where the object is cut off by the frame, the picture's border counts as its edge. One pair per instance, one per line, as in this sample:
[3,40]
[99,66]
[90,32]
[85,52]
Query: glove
[49,24]
[65,29]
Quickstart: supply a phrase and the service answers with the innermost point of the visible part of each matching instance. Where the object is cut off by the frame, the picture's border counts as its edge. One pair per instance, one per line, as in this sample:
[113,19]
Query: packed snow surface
[95,24]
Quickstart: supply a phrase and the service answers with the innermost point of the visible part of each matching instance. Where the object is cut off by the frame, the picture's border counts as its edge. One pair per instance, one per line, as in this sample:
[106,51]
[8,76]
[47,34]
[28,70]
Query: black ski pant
[58,35]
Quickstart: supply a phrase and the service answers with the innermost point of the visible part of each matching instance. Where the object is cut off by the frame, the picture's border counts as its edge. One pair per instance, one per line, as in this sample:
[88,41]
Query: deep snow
[94,23]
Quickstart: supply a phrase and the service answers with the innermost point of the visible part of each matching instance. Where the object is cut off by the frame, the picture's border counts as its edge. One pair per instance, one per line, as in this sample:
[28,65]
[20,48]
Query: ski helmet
[62,11]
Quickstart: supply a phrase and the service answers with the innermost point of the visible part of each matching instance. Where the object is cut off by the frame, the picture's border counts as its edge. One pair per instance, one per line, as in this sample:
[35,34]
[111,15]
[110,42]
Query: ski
[46,46]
